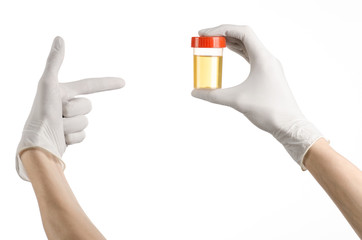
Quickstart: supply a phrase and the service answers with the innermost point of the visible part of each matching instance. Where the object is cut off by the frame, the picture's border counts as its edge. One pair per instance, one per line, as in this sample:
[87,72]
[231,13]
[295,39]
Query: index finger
[245,34]
[92,85]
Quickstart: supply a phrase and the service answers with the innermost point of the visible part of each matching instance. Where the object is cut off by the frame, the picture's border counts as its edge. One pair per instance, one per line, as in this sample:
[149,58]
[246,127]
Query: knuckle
[246,28]
[85,121]
[82,134]
[218,96]
[73,138]
[47,83]
[88,103]
[212,96]
[67,107]
[68,139]
[225,25]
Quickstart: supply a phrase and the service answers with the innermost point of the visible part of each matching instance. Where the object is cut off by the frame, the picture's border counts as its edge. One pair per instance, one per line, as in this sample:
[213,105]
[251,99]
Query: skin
[266,100]
[339,178]
[62,216]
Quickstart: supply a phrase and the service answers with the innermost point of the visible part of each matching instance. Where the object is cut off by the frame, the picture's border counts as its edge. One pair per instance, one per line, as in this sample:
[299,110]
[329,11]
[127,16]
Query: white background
[159,164]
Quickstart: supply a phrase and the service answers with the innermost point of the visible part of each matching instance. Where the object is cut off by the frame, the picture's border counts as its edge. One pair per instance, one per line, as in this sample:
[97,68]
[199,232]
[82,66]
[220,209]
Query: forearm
[62,216]
[339,178]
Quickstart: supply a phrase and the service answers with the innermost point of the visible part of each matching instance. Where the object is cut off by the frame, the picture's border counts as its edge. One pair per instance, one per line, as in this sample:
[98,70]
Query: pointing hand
[57,118]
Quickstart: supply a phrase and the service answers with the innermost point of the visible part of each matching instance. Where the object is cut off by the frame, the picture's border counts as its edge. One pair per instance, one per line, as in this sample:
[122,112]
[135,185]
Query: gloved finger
[233,40]
[75,124]
[76,106]
[253,45]
[239,50]
[218,96]
[55,57]
[73,138]
[91,85]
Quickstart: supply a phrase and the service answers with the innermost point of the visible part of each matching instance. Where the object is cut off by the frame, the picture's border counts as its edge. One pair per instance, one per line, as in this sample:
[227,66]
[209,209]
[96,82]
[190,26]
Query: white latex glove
[264,97]
[57,117]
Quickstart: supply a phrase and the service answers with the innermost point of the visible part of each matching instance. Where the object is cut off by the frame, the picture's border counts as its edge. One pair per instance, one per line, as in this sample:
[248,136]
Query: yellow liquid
[207,71]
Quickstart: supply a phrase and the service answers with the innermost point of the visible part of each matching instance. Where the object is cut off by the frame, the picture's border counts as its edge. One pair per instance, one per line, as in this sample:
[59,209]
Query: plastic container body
[207,67]
[208,57]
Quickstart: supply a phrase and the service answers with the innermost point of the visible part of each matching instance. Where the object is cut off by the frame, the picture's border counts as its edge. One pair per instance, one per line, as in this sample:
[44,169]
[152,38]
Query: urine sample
[208,61]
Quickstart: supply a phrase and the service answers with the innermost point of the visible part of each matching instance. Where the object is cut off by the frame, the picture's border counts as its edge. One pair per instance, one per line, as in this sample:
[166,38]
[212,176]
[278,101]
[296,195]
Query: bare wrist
[39,162]
[320,145]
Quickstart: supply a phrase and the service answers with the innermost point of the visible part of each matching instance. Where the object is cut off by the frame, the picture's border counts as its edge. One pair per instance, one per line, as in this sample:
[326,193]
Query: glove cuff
[36,135]
[298,138]
[20,167]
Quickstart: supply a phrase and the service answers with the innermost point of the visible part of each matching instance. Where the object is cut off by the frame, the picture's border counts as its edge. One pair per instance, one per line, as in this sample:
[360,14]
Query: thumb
[55,57]
[218,96]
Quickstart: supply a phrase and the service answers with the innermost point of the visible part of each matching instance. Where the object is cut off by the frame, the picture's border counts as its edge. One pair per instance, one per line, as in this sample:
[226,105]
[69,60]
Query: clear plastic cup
[208,61]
